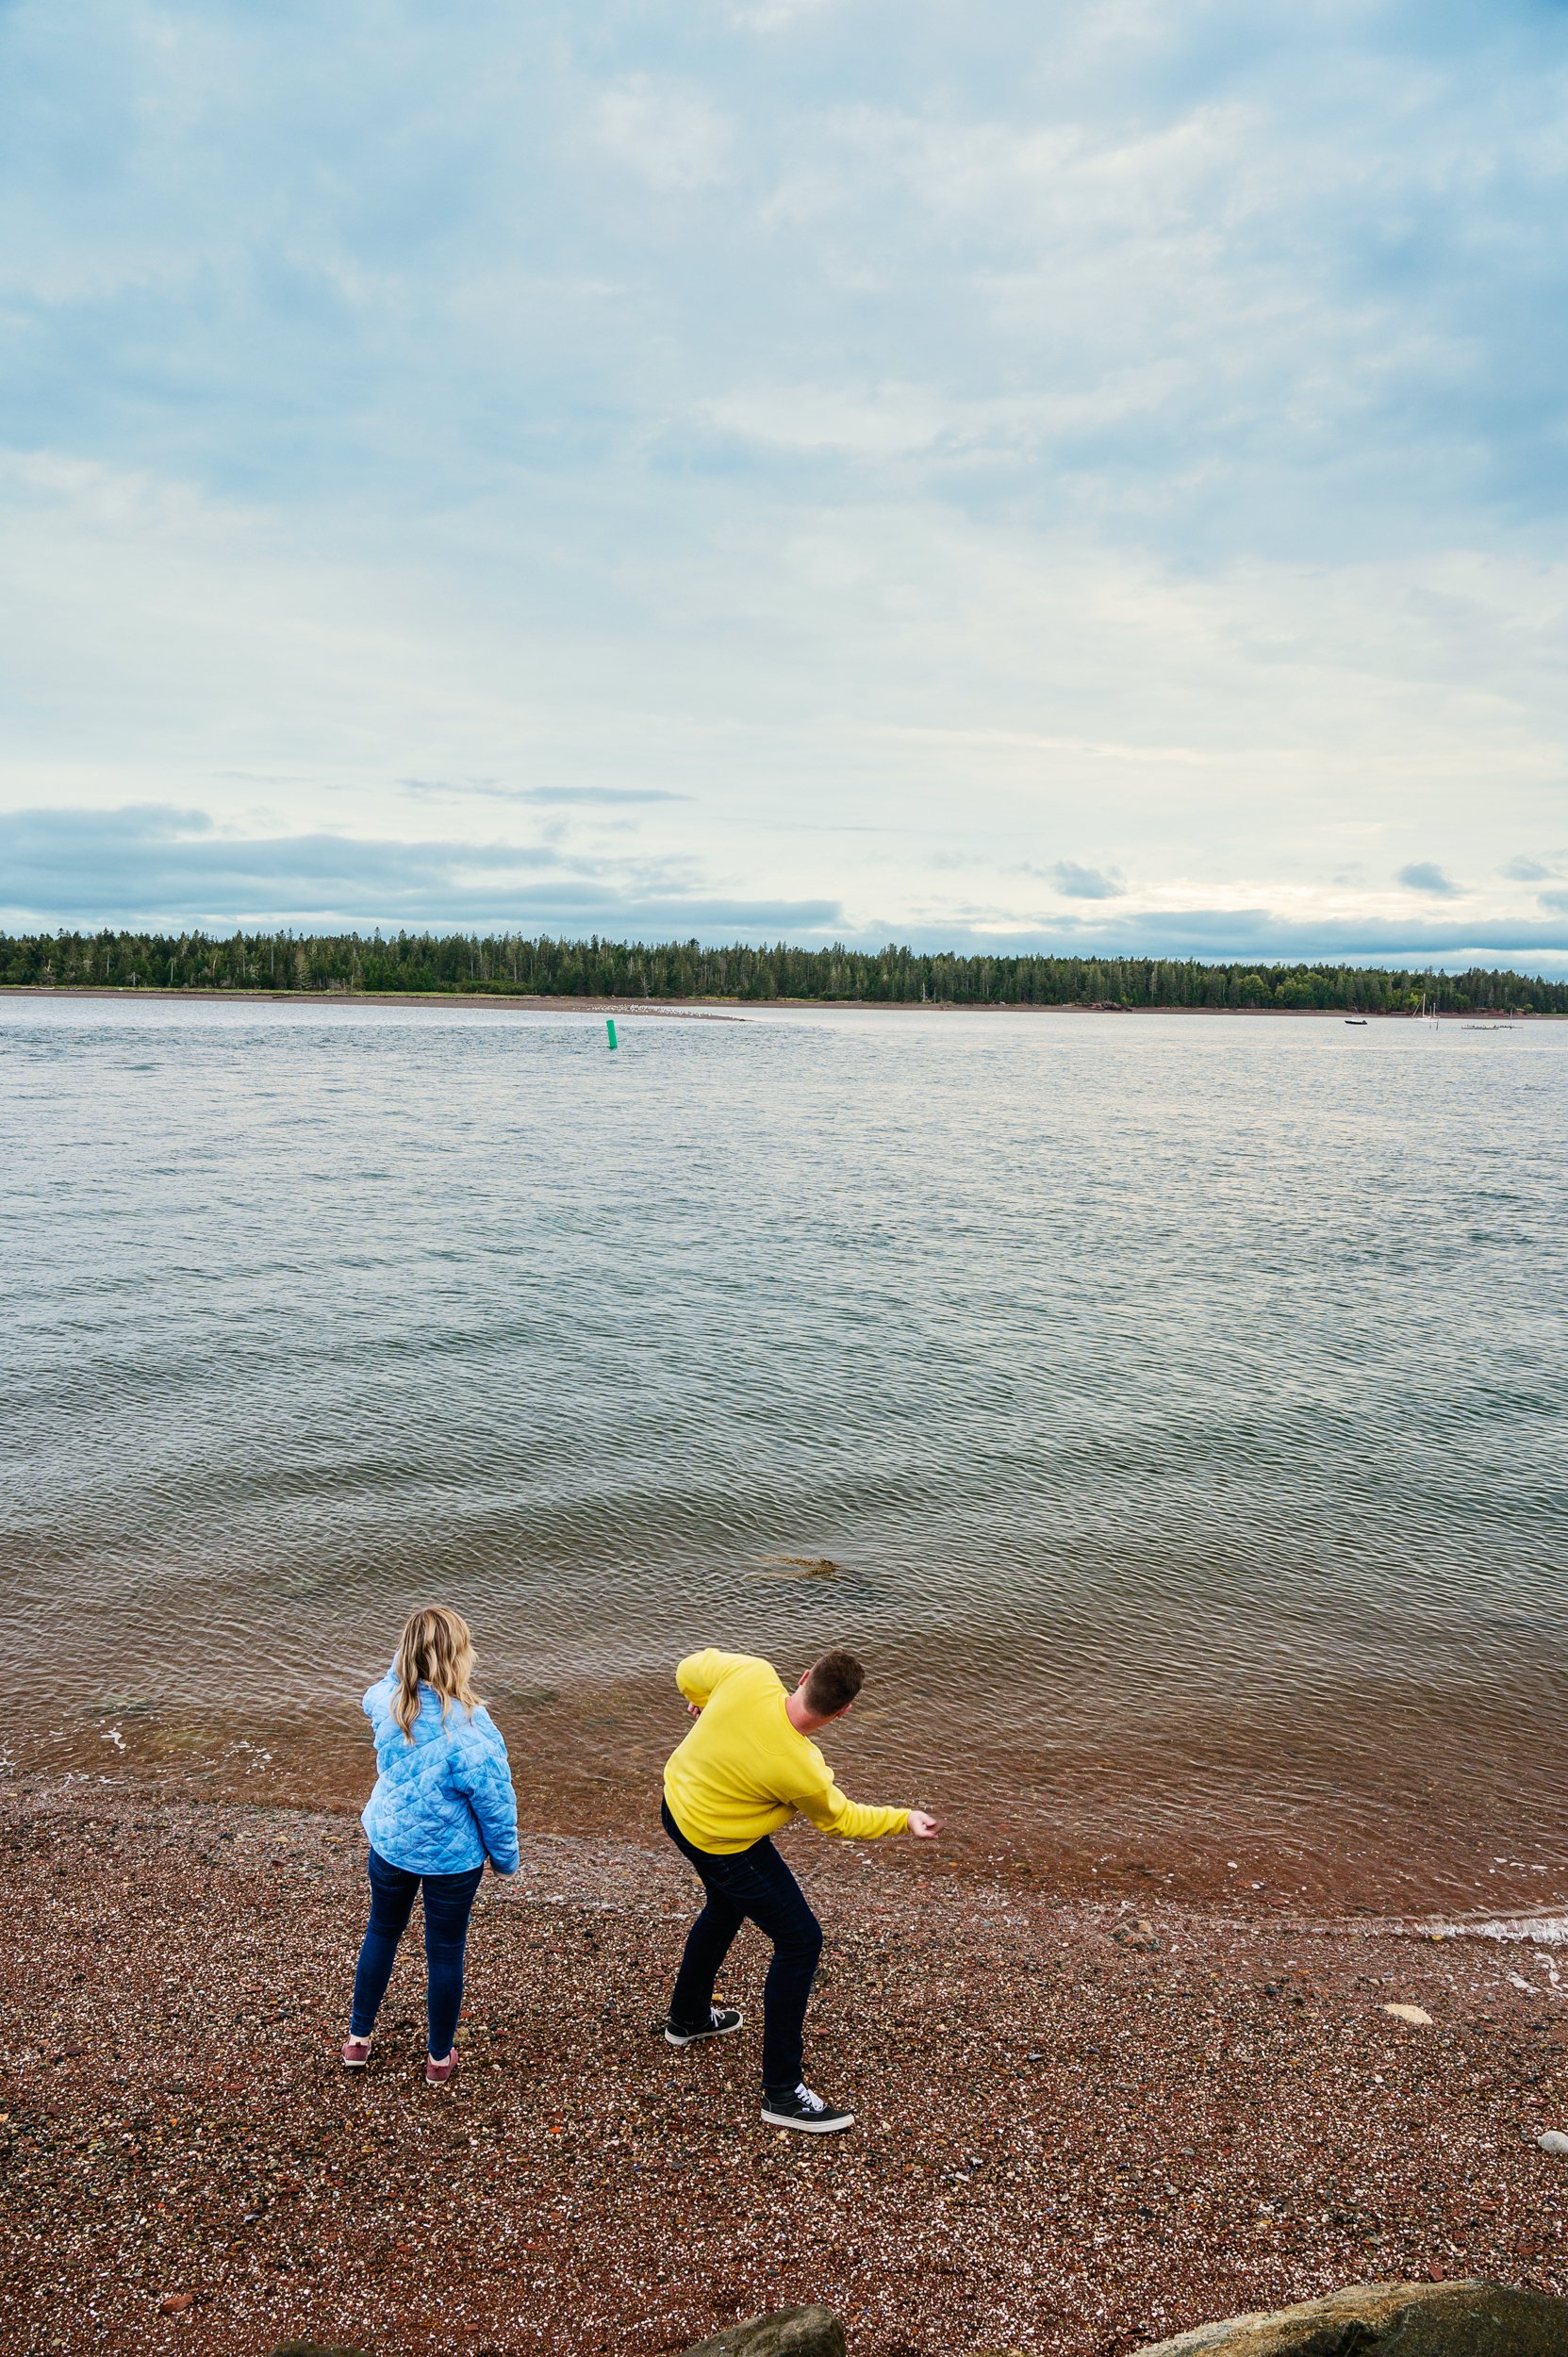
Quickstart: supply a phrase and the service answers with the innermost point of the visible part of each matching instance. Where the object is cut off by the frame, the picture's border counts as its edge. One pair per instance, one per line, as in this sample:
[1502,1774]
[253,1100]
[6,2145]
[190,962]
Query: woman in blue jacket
[443,1802]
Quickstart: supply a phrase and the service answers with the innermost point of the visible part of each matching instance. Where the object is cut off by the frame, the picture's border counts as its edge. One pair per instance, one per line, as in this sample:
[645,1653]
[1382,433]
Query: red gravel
[1063,2146]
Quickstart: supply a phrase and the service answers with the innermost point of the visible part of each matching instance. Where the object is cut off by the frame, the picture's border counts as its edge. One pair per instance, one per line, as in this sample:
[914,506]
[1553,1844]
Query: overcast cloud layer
[806,467]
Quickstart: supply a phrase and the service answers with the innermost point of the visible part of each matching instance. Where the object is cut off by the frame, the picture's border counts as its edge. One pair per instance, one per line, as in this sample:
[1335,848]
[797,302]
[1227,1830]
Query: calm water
[1179,1405]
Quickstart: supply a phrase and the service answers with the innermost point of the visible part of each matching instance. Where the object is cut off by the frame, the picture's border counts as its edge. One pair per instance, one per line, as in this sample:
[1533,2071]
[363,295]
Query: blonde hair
[435,1650]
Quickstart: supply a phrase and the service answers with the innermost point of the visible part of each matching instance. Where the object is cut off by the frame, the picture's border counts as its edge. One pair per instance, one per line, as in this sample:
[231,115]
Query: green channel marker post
[609,1025]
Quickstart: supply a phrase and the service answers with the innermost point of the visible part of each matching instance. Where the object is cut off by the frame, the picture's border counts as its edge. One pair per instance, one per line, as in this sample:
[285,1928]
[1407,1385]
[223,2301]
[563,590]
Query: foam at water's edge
[1544,1931]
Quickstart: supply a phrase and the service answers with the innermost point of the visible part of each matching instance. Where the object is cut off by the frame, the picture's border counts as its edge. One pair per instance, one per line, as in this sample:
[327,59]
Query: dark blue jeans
[448,1901]
[752,1883]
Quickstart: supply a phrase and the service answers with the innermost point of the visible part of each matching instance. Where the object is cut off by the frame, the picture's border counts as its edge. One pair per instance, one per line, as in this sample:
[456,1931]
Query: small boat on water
[1357,1019]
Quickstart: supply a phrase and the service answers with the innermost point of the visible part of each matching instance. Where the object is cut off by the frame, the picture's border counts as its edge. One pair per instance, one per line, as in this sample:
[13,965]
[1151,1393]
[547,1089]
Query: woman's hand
[924,1828]
[694,1710]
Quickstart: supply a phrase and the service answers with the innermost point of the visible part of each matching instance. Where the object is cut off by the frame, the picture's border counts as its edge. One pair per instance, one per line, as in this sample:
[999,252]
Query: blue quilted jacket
[443,1802]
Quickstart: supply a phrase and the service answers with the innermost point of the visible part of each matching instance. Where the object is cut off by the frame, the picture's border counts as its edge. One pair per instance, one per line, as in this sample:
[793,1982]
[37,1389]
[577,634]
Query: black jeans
[448,1901]
[752,1883]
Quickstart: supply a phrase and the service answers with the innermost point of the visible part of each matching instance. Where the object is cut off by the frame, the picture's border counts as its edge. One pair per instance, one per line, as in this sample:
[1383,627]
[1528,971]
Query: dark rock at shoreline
[793,2332]
[1467,2319]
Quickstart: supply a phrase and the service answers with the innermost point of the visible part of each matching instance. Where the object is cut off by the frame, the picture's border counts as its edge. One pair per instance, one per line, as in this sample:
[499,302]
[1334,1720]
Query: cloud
[1227,933]
[1424,875]
[1526,871]
[158,865]
[771,16]
[592,795]
[886,446]
[565,797]
[1085,883]
[91,862]
[164,866]
[873,421]
[668,133]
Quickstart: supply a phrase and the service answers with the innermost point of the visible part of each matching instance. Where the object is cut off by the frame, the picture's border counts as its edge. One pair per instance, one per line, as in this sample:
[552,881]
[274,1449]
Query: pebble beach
[1073,2137]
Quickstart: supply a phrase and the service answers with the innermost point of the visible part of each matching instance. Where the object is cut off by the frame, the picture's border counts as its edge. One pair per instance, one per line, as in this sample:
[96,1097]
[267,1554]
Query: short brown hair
[833,1683]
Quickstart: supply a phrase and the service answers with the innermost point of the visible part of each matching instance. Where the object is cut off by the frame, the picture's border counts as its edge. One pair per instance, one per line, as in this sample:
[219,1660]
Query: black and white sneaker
[723,2021]
[797,2107]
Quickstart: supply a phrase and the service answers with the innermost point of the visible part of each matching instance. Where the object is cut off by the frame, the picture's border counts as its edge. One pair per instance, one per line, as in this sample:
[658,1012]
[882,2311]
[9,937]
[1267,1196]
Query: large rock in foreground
[1470,2319]
[793,2332]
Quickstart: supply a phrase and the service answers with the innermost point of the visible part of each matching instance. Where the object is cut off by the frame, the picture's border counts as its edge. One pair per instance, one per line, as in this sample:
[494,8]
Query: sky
[1082,475]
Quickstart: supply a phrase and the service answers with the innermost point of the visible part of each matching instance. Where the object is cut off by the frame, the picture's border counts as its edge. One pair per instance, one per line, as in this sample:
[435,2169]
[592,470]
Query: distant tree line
[501,963]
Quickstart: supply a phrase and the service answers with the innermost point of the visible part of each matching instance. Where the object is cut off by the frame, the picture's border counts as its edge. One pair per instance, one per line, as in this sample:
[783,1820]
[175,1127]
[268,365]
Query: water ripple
[1184,1392]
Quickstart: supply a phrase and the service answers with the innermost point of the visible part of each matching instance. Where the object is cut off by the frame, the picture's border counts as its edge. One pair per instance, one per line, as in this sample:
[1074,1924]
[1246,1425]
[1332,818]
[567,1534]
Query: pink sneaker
[356,2053]
[438,2073]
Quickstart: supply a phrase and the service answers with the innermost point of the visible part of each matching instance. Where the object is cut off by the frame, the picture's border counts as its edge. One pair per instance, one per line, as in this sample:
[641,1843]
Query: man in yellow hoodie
[746,1768]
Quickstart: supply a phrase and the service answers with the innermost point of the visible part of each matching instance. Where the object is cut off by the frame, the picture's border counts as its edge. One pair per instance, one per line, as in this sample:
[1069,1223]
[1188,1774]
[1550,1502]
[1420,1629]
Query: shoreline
[588,1759]
[1065,2144]
[587,1004]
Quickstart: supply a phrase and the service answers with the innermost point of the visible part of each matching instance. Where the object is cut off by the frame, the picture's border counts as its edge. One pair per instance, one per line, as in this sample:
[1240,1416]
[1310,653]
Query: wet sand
[1299,1818]
[1064,2145]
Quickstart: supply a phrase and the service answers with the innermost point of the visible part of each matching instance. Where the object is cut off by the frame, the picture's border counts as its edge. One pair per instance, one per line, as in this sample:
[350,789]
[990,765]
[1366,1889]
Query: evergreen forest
[504,965]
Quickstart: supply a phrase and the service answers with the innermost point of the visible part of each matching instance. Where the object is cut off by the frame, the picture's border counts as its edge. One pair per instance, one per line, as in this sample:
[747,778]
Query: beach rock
[1466,2319]
[1415,2015]
[1552,2141]
[793,2332]
[1140,1935]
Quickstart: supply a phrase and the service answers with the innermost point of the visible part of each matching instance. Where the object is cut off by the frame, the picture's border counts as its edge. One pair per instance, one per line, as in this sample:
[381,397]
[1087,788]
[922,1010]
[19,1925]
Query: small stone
[1553,2140]
[175,2303]
[1412,2014]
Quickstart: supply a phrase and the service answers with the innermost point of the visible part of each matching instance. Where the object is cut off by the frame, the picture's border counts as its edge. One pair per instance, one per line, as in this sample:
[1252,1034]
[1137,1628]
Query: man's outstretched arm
[833,1811]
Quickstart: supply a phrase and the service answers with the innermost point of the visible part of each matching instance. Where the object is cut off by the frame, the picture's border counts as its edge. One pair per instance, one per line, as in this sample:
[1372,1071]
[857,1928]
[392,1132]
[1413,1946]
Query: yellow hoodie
[744,1770]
